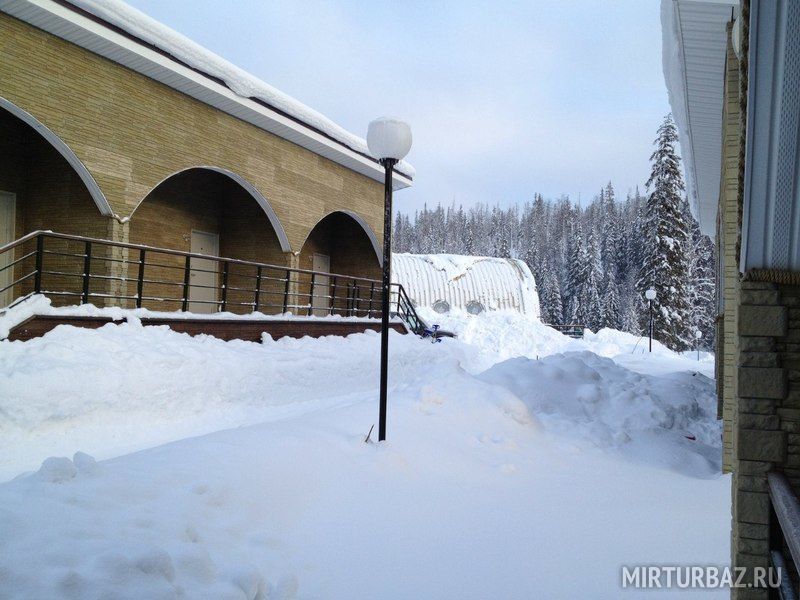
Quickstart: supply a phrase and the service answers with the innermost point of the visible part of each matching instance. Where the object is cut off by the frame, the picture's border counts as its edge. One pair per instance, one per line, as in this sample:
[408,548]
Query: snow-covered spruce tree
[665,237]
[610,299]
[609,233]
[702,296]
[591,308]
[549,296]
[576,276]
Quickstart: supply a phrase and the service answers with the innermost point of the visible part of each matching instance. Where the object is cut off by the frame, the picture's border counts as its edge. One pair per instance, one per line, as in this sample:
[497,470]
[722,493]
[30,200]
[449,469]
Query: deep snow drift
[501,470]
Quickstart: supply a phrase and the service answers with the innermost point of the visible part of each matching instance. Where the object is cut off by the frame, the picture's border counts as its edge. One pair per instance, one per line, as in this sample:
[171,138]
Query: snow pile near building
[593,398]
[450,282]
[520,460]
[241,82]
[504,334]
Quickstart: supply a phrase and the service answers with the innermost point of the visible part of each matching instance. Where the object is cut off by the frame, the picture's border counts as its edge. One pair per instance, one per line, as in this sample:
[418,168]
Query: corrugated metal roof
[494,283]
[694,48]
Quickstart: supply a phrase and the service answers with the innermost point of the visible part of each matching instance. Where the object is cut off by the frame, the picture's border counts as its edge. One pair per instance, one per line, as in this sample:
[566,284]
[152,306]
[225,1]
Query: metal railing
[784,535]
[84,269]
[572,330]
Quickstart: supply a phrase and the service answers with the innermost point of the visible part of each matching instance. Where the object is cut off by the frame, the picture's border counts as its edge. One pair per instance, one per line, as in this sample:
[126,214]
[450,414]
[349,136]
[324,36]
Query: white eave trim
[74,27]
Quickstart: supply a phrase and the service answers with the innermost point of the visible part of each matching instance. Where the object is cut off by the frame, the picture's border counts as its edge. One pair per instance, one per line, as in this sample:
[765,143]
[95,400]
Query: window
[441,306]
[474,307]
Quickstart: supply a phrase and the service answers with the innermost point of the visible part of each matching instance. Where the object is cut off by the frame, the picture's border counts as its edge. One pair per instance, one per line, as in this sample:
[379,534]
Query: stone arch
[213,211]
[65,151]
[259,198]
[343,244]
[374,242]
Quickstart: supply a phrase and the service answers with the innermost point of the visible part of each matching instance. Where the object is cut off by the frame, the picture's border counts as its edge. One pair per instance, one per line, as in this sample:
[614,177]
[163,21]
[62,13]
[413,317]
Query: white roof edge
[696,97]
[67,23]
[675,79]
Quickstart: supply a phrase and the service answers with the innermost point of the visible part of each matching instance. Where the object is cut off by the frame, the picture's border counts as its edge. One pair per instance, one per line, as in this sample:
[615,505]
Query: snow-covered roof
[467,282]
[127,36]
[694,39]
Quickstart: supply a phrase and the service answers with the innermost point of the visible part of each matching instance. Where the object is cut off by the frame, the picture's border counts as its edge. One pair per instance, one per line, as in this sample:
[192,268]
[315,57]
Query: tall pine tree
[665,235]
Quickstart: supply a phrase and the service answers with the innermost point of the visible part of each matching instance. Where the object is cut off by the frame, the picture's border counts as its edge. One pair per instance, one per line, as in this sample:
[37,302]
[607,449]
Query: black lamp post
[650,295]
[697,336]
[389,140]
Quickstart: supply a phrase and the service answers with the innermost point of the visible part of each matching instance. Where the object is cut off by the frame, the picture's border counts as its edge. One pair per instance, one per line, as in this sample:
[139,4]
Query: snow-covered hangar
[474,284]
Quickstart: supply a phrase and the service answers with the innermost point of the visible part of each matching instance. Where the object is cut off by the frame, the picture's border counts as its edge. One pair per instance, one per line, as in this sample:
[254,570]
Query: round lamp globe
[389,137]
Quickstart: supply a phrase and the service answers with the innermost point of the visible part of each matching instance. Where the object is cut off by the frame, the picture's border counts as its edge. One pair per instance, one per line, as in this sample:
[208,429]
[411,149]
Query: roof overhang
[63,21]
[694,37]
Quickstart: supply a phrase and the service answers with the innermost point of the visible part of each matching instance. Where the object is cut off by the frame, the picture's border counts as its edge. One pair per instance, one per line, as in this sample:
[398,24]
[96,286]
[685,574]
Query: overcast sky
[505,99]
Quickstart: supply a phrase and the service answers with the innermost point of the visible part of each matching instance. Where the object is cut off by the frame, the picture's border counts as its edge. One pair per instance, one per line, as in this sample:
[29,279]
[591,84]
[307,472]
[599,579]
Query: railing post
[371,297]
[225,268]
[187,270]
[140,280]
[356,298]
[311,295]
[333,297]
[37,278]
[87,266]
[286,291]
[258,290]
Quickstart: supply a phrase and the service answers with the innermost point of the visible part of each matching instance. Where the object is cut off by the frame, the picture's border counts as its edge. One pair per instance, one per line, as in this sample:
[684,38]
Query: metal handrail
[233,261]
[350,285]
[784,530]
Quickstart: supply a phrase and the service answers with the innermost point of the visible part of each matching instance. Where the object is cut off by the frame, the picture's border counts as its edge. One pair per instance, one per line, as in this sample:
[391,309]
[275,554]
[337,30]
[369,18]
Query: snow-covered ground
[519,464]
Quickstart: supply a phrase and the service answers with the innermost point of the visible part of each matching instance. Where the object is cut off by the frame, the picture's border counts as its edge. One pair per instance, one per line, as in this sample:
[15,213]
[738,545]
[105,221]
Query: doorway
[321,302]
[203,277]
[8,202]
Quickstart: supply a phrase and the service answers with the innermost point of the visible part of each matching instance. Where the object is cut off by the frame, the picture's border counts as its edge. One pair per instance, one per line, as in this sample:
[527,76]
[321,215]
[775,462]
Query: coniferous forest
[593,263]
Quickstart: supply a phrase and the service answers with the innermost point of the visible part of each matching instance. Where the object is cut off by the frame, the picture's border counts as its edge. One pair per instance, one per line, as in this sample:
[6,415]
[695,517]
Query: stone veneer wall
[132,132]
[727,252]
[766,422]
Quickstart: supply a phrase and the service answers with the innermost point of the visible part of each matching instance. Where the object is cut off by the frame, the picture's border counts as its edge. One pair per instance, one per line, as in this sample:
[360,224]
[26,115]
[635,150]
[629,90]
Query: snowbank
[239,81]
[592,398]
[267,489]
[499,335]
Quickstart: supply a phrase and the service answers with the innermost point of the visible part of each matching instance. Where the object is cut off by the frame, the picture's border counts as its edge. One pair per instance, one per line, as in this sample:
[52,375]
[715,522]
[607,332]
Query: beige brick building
[107,135]
[733,72]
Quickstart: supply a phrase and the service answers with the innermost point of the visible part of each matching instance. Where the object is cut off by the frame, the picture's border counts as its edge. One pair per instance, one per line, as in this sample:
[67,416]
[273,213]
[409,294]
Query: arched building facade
[106,134]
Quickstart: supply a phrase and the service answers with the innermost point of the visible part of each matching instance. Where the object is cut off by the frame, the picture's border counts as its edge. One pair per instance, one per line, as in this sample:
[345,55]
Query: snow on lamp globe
[388,140]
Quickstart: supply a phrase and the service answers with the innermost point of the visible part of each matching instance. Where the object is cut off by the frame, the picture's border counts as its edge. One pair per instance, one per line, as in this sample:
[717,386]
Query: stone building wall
[727,250]
[132,132]
[767,418]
